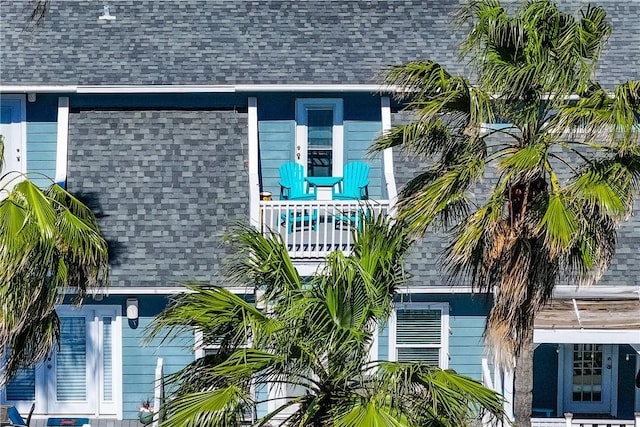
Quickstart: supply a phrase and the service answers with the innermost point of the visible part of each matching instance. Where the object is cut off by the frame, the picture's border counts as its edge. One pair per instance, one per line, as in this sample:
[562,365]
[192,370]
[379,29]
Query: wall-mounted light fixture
[106,16]
[132,308]
[31,97]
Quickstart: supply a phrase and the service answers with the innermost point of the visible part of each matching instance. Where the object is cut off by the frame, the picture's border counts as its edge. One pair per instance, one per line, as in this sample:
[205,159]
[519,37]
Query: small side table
[324,185]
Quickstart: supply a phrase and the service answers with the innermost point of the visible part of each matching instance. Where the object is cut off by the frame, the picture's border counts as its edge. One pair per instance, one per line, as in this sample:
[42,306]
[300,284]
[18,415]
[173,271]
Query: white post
[486,374]
[508,393]
[158,392]
[62,140]
[568,416]
[486,379]
[637,419]
[254,182]
[389,176]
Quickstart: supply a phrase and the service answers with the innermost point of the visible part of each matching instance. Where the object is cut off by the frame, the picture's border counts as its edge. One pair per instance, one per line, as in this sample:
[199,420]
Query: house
[171,119]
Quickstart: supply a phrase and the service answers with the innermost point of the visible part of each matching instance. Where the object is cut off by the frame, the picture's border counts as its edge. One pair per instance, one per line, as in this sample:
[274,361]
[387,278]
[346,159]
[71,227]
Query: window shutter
[107,354]
[419,335]
[22,386]
[71,360]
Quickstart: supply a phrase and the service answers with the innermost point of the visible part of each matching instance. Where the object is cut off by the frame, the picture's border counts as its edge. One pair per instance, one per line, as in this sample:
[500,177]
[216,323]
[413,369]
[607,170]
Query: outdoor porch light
[132,308]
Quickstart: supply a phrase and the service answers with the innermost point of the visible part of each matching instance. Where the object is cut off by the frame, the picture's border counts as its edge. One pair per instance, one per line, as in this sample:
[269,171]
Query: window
[319,138]
[419,332]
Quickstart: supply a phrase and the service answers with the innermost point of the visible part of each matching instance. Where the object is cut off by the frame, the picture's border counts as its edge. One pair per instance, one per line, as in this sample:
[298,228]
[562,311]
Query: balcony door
[319,136]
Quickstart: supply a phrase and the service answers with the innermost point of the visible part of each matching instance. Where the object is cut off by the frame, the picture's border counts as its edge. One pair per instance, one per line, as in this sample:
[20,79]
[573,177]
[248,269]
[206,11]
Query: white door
[588,378]
[80,377]
[13,133]
[319,136]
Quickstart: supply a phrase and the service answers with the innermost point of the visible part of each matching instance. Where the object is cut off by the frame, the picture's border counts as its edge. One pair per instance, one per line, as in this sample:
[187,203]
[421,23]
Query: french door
[588,378]
[83,376]
[79,377]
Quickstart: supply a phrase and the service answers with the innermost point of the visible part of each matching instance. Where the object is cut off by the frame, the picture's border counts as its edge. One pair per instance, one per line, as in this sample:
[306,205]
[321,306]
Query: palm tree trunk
[523,387]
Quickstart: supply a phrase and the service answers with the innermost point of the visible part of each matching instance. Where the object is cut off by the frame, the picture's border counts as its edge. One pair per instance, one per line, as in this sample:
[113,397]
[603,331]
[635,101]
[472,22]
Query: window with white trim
[319,135]
[419,332]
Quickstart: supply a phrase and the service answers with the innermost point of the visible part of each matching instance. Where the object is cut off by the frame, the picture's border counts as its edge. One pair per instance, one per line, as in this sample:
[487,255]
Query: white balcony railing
[314,228]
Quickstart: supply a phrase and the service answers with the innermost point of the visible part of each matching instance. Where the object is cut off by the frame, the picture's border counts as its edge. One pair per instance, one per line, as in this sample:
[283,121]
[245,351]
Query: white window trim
[444,329]
[301,149]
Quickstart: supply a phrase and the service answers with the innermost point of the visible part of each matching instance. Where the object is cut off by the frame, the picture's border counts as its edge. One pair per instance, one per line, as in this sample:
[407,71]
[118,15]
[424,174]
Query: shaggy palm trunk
[523,393]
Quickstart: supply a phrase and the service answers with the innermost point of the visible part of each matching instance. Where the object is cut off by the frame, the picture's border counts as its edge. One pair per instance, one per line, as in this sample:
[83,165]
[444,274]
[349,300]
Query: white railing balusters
[314,228]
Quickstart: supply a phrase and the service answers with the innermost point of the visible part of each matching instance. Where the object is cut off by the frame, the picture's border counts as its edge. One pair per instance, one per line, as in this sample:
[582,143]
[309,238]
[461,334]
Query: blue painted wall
[545,378]
[276,148]
[467,317]
[626,381]
[42,129]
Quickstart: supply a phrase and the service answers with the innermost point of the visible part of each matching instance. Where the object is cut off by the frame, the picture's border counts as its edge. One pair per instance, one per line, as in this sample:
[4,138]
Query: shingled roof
[222,42]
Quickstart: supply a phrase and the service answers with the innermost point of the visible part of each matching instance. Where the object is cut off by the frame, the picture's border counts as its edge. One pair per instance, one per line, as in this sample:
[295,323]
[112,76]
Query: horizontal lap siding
[139,361]
[466,346]
[358,137]
[41,152]
[276,139]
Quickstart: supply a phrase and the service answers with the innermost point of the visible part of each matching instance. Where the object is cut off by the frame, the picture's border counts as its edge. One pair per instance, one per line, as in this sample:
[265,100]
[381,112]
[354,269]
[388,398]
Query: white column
[254,182]
[389,177]
[62,140]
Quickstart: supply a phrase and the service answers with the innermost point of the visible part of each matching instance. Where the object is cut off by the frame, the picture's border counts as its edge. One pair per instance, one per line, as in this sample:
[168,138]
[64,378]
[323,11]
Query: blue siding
[466,345]
[41,152]
[276,147]
[358,137]
[139,363]
[262,394]
[383,343]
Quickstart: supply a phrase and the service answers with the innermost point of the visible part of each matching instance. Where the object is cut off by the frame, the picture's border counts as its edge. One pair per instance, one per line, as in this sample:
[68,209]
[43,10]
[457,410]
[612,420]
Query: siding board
[276,147]
[41,152]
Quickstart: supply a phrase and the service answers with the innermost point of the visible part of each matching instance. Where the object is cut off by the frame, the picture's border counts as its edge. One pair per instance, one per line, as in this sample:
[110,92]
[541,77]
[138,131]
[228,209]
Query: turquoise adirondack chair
[355,182]
[292,183]
[294,187]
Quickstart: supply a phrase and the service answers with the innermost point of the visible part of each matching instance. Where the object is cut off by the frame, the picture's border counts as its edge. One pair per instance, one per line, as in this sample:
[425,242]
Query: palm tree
[313,336]
[49,243]
[558,175]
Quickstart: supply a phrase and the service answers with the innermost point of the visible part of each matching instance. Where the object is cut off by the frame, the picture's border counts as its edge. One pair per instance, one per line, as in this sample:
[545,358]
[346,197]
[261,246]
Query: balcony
[312,229]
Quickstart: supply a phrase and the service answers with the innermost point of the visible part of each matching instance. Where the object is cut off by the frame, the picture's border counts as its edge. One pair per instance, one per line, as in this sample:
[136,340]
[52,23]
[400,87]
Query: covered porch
[587,362]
